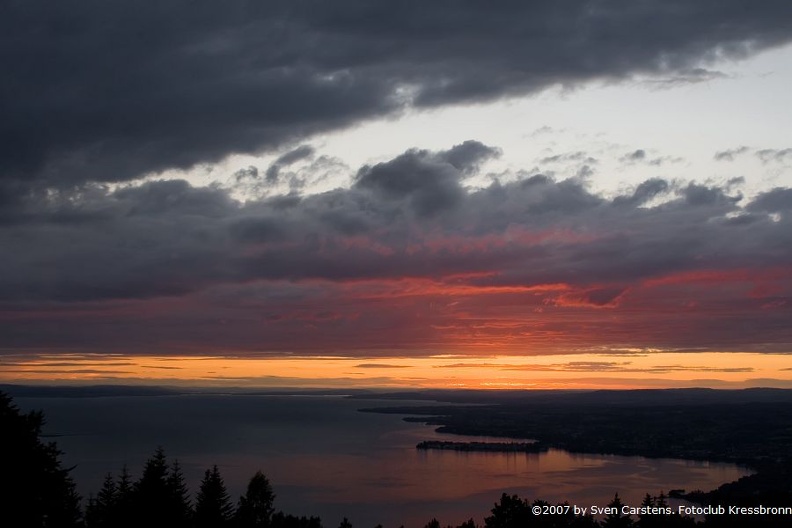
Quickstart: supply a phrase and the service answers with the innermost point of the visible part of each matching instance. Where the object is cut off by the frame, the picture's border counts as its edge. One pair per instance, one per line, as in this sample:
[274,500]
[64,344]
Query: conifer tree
[283,520]
[511,512]
[101,510]
[616,519]
[661,500]
[213,505]
[90,516]
[647,520]
[180,508]
[151,497]
[123,511]
[35,491]
[256,506]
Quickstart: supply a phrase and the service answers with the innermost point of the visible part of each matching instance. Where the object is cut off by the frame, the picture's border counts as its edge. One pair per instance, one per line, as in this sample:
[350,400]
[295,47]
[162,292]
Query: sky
[544,194]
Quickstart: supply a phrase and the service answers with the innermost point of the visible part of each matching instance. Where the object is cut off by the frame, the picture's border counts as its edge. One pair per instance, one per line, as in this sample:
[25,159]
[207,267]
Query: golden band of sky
[615,370]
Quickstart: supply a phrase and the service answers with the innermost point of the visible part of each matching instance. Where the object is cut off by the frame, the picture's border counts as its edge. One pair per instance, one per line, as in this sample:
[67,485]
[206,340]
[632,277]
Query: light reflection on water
[325,458]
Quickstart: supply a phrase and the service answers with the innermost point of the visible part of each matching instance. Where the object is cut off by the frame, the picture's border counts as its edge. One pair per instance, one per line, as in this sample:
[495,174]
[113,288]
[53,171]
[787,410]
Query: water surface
[325,458]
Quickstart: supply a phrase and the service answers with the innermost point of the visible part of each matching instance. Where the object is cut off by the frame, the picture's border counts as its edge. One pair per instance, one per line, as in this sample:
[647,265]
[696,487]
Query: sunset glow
[622,370]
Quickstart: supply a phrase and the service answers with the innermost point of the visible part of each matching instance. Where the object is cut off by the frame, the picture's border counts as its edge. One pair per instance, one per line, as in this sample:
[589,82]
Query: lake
[325,458]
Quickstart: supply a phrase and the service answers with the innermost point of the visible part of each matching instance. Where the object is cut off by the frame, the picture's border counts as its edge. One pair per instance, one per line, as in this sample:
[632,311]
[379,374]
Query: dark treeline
[36,491]
[161,498]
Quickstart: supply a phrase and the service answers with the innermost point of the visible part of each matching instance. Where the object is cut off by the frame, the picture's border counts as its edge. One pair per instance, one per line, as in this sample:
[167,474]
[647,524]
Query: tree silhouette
[35,491]
[282,520]
[180,508]
[511,512]
[616,519]
[123,514]
[213,505]
[160,495]
[256,505]
[151,497]
[649,520]
[100,512]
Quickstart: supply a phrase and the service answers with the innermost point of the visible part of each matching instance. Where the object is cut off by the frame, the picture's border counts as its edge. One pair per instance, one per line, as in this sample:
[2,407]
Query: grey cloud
[467,156]
[702,195]
[258,229]
[569,157]
[284,160]
[315,171]
[685,77]
[636,155]
[662,160]
[584,172]
[173,197]
[108,91]
[295,155]
[644,192]
[777,155]
[641,156]
[546,129]
[169,238]
[429,182]
[248,173]
[273,174]
[774,201]
[731,154]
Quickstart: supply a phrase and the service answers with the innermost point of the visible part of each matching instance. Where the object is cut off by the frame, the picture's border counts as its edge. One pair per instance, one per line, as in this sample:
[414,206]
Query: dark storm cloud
[106,91]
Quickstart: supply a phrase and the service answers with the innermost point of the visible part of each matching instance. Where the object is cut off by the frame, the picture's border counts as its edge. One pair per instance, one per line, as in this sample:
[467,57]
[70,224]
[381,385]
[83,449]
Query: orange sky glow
[614,370]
